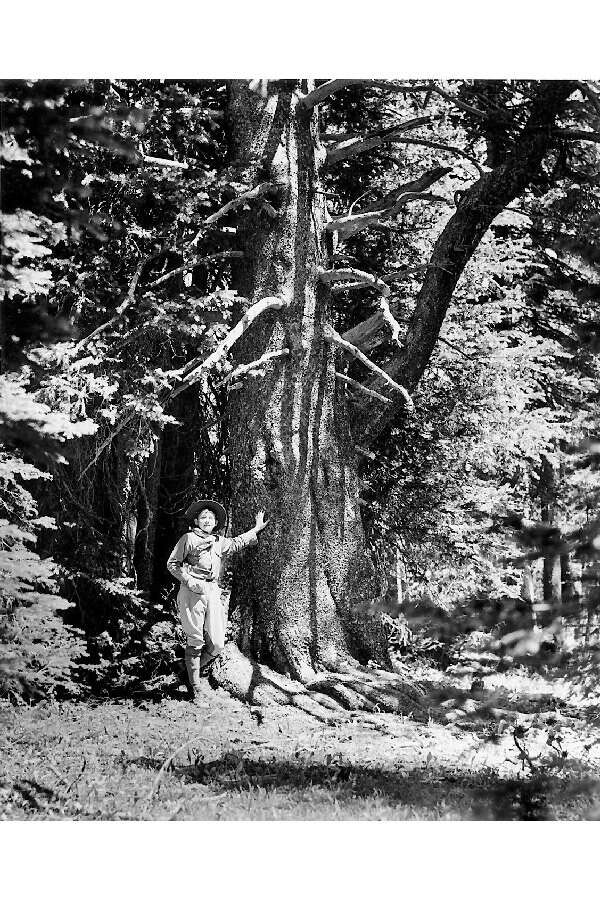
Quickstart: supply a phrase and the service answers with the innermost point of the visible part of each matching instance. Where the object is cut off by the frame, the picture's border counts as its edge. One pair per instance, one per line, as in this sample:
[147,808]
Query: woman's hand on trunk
[261,522]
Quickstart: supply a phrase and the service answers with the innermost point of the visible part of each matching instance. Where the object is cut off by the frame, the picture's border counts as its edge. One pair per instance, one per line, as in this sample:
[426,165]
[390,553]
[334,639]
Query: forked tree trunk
[289,432]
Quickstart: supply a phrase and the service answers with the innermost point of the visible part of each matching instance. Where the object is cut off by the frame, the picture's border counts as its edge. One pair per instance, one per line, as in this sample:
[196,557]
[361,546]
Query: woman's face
[206,520]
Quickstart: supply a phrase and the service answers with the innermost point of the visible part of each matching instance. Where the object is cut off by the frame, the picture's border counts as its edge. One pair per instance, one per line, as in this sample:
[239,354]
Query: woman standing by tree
[196,562]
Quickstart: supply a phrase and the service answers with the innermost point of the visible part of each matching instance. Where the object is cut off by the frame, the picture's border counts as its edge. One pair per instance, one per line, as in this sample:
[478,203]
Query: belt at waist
[201,576]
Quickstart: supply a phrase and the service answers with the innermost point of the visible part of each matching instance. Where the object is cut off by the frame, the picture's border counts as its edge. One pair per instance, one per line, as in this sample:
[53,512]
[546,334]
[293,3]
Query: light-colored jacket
[196,558]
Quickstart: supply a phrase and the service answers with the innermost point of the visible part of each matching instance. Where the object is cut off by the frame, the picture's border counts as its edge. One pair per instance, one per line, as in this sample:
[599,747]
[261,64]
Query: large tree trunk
[290,445]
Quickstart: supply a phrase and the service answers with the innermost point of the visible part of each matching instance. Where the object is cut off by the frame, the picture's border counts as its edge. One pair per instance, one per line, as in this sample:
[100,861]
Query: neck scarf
[206,540]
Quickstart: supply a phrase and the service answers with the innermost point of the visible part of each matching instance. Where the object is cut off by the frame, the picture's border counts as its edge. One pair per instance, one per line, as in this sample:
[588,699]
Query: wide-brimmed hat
[219,511]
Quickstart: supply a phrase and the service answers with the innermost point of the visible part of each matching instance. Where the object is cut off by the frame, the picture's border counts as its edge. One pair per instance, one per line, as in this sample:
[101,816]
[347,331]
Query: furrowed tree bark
[477,209]
[289,441]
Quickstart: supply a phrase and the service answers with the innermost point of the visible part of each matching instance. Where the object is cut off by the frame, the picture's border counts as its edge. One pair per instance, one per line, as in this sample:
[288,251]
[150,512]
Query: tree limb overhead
[331,276]
[310,100]
[190,372]
[197,261]
[346,226]
[422,183]
[334,338]
[242,370]
[345,379]
[438,145]
[254,194]
[353,146]
[577,134]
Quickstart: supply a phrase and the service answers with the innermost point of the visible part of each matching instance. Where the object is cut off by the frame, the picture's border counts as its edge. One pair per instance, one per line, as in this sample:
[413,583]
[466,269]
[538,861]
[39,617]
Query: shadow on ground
[482,796]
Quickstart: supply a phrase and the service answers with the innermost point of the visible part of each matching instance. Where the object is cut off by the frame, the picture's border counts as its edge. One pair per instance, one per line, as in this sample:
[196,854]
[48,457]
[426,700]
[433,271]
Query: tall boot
[192,664]
[210,654]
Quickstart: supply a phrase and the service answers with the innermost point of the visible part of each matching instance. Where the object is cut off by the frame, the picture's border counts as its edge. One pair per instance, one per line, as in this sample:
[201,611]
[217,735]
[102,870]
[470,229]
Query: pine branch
[130,296]
[334,338]
[170,163]
[577,134]
[127,301]
[310,100]
[459,103]
[353,146]
[422,183]
[254,194]
[197,261]
[191,371]
[108,441]
[360,387]
[438,145]
[242,370]
[331,276]
[458,349]
[346,226]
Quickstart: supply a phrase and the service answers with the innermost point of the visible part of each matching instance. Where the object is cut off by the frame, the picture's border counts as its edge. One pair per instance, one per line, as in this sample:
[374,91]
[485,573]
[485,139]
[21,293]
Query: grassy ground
[526,749]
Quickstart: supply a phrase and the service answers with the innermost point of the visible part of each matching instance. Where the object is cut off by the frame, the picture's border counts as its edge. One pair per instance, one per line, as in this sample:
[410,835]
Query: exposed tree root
[331,697]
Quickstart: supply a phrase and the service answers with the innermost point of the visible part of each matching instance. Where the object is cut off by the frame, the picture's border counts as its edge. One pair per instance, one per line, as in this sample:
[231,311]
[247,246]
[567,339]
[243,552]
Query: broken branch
[255,364]
[360,387]
[334,338]
[356,276]
[388,317]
